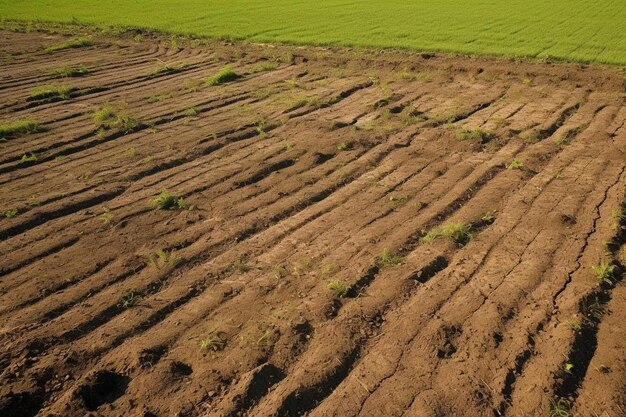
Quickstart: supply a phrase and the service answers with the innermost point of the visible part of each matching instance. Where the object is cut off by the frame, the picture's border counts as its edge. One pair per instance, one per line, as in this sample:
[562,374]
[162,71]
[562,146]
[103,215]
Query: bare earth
[302,173]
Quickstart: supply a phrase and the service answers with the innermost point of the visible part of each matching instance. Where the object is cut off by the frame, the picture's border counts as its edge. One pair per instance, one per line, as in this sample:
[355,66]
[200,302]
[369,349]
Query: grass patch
[128,300]
[461,233]
[164,259]
[9,214]
[192,86]
[301,102]
[265,66]
[225,75]
[398,200]
[293,82]
[560,408]
[165,68]
[28,158]
[108,117]
[239,266]
[338,288]
[192,112]
[604,272]
[72,43]
[51,91]
[478,135]
[20,127]
[489,217]
[265,340]
[212,341]
[106,215]
[157,98]
[388,258]
[168,201]
[409,117]
[260,128]
[68,72]
[345,146]
[515,164]
[302,266]
[562,141]
[407,75]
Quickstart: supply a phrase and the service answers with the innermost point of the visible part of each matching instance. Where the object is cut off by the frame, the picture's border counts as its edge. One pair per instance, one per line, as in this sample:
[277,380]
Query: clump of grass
[265,66]
[574,323]
[568,368]
[413,76]
[413,116]
[192,86]
[500,121]
[344,146]
[106,215]
[406,75]
[263,92]
[279,271]
[192,112]
[168,201]
[265,339]
[260,128]
[60,158]
[239,265]
[223,76]
[489,217]
[461,233]
[212,341]
[329,268]
[338,288]
[69,71]
[51,91]
[298,103]
[72,43]
[398,200]
[443,118]
[28,158]
[515,164]
[531,137]
[292,82]
[9,214]
[388,258]
[165,68]
[479,135]
[302,266]
[619,217]
[562,141]
[165,259]
[108,117]
[20,127]
[157,98]
[605,272]
[560,408]
[128,300]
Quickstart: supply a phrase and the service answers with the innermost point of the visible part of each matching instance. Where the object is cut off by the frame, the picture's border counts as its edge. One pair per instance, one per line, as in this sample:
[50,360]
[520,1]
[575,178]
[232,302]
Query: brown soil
[303,172]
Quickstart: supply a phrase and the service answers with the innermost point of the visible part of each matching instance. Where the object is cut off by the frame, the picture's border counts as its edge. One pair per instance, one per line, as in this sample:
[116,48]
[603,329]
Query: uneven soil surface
[298,277]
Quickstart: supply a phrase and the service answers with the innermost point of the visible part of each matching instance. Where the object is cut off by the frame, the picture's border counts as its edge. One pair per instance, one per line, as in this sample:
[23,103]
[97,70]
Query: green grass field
[580,30]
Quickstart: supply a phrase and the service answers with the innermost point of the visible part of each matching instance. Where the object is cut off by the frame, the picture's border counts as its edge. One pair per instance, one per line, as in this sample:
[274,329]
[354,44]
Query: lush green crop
[584,30]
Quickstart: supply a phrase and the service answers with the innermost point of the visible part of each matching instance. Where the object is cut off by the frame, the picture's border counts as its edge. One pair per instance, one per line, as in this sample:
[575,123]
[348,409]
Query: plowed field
[349,232]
